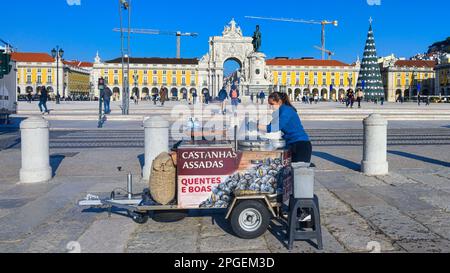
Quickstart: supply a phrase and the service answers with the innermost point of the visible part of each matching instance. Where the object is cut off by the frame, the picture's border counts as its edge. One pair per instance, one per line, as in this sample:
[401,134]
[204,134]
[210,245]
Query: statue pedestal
[257,69]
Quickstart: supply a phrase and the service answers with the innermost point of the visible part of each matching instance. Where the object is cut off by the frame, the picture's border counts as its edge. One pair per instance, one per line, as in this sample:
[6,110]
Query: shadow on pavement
[141,159]
[420,158]
[338,160]
[55,162]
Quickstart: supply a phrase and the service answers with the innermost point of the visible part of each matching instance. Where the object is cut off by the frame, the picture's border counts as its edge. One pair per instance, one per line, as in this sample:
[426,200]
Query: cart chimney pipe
[235,138]
[130,186]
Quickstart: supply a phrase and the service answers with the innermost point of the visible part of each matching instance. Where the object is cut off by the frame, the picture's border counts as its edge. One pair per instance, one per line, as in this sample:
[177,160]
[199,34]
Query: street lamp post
[57,54]
[125,5]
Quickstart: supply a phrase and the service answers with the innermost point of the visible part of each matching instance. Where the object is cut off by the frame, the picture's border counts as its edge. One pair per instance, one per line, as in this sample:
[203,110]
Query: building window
[155,72]
[116,71]
[164,80]
[306,81]
[116,80]
[28,78]
[135,72]
[164,72]
[407,81]
[29,70]
[106,79]
[145,72]
[398,82]
[288,80]
[183,72]
[333,81]
[49,79]
[183,81]
[49,70]
[39,70]
[341,81]
[155,80]
[324,81]
[39,79]
[145,80]
[174,80]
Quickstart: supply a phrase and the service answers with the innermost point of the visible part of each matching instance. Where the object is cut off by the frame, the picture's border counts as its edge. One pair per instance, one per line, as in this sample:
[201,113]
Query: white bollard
[156,142]
[35,150]
[375,146]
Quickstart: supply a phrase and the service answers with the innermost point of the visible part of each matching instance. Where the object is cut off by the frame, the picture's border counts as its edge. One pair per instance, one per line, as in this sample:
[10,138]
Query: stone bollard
[375,146]
[156,142]
[35,151]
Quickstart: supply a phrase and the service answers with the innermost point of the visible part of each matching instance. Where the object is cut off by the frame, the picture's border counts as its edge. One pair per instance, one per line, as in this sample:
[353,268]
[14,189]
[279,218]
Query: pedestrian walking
[427,101]
[316,98]
[418,99]
[136,99]
[43,101]
[106,96]
[29,97]
[163,95]
[350,99]
[359,97]
[382,101]
[262,97]
[223,96]
[252,96]
[234,95]
[194,96]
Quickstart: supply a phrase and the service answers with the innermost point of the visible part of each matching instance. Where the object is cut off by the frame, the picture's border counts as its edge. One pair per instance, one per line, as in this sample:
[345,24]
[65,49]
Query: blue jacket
[287,121]
[223,95]
[44,96]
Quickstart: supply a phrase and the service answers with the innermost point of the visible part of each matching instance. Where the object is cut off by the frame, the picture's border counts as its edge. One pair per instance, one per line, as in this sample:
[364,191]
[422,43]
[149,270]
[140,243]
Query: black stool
[294,232]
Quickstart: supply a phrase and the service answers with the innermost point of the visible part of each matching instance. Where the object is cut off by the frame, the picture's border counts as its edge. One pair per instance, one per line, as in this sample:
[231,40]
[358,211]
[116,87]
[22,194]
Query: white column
[156,142]
[375,146]
[35,151]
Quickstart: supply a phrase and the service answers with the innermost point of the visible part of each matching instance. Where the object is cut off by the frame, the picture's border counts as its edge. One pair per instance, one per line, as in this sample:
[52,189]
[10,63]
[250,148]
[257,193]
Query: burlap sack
[163,179]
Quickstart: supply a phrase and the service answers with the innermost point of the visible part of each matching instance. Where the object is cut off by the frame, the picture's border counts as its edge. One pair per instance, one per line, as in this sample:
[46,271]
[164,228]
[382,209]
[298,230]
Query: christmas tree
[369,80]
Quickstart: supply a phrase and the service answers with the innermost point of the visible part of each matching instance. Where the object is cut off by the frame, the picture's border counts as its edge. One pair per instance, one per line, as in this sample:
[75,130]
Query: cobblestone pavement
[406,211]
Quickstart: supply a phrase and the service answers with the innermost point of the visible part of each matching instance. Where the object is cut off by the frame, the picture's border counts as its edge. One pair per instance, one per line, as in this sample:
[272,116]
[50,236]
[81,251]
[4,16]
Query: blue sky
[401,27]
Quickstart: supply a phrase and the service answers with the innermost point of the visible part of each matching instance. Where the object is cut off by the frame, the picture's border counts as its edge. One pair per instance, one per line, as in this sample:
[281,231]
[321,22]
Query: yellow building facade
[408,78]
[35,70]
[327,79]
[443,76]
[148,75]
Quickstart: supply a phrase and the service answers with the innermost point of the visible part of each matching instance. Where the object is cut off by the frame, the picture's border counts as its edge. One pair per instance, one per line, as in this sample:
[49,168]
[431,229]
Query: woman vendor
[287,120]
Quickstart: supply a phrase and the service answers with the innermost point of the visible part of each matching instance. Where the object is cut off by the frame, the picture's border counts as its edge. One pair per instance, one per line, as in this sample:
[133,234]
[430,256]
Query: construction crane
[323,23]
[8,46]
[330,53]
[178,34]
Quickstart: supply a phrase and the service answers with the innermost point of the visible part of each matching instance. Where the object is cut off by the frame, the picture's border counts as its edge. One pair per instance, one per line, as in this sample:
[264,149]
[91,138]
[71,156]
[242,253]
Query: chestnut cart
[249,180]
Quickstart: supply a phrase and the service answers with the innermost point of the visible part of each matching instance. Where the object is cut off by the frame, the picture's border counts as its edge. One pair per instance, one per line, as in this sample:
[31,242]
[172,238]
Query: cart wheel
[164,216]
[250,219]
[140,218]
